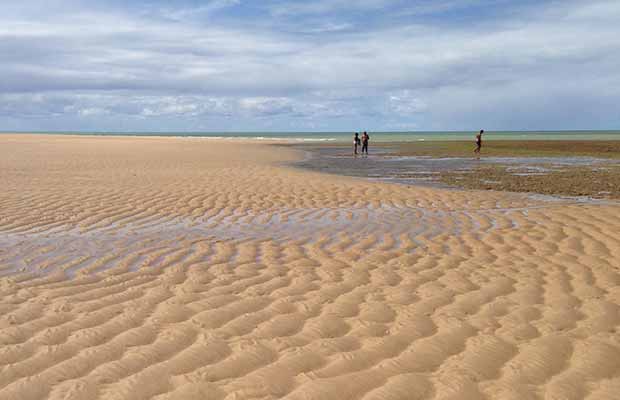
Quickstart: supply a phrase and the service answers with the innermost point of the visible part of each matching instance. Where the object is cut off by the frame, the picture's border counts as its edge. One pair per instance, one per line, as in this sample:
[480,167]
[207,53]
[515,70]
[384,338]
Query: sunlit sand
[173,268]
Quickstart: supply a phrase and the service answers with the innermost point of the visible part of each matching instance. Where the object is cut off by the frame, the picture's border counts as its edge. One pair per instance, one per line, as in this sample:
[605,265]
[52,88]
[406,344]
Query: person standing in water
[365,139]
[478,143]
[356,142]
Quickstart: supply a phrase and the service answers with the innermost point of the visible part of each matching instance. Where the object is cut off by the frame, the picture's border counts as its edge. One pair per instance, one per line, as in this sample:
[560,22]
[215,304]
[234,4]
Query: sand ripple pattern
[222,278]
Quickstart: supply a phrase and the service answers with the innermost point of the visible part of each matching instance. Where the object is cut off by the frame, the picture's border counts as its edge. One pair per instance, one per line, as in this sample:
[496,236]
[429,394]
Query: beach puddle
[425,170]
[74,251]
[587,176]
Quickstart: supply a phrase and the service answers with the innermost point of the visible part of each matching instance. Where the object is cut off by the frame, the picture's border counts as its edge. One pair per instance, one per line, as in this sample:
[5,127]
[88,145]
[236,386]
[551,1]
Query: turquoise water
[375,136]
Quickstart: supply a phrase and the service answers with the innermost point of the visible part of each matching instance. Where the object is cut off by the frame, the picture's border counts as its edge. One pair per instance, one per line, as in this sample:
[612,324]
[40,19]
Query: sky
[324,65]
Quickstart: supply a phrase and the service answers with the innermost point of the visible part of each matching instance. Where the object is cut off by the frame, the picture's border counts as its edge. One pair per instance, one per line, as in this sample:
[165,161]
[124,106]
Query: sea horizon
[342,136]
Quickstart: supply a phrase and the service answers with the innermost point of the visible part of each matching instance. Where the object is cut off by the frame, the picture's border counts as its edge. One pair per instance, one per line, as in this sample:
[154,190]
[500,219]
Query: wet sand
[562,168]
[165,268]
[510,148]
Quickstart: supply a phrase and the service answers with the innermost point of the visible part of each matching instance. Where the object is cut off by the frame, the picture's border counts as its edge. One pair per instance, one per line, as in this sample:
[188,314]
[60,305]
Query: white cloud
[405,102]
[284,8]
[266,105]
[97,63]
[204,10]
[89,112]
[595,10]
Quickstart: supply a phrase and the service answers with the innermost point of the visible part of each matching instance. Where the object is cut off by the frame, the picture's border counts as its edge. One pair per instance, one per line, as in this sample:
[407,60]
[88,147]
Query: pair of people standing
[361,142]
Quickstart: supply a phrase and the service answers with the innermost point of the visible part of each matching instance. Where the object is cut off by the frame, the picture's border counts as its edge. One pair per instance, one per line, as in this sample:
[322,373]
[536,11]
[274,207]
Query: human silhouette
[356,142]
[365,139]
[478,143]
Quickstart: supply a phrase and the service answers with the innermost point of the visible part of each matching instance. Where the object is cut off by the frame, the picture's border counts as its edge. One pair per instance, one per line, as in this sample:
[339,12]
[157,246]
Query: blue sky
[278,65]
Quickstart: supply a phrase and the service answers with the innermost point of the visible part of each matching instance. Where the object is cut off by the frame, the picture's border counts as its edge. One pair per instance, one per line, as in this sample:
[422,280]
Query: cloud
[210,7]
[266,105]
[284,8]
[364,63]
[89,112]
[405,102]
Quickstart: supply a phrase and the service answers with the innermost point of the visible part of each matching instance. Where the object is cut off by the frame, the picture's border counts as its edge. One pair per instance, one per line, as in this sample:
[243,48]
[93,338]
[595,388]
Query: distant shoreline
[346,137]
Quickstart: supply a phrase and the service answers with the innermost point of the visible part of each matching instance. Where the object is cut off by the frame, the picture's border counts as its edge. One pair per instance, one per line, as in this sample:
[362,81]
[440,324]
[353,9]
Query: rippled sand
[138,268]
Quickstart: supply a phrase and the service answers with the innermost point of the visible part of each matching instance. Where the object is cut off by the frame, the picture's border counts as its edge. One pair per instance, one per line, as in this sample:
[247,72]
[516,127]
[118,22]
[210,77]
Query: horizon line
[222,132]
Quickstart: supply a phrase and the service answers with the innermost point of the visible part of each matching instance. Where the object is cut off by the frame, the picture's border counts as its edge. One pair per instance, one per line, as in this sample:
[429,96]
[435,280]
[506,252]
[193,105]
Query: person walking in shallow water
[365,139]
[356,143]
[478,143]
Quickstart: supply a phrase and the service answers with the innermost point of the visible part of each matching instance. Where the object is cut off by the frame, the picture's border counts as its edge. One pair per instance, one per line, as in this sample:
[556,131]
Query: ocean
[377,137]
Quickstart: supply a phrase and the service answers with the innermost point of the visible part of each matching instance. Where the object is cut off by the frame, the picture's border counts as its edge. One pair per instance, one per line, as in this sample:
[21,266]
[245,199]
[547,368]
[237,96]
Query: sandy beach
[187,268]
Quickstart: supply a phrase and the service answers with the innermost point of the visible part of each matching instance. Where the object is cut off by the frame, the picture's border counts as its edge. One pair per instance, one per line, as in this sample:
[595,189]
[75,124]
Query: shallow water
[79,252]
[425,170]
[74,252]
